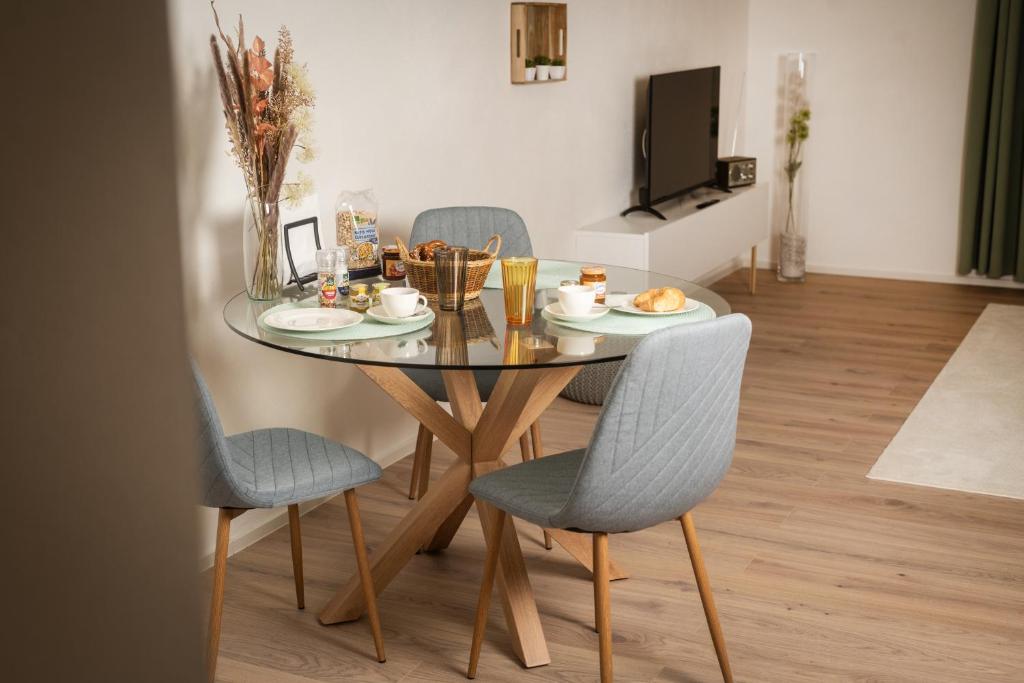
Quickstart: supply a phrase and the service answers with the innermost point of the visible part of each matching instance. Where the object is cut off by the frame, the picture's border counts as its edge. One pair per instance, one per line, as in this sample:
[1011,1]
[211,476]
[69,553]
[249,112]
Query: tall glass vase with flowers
[792,262]
[267,114]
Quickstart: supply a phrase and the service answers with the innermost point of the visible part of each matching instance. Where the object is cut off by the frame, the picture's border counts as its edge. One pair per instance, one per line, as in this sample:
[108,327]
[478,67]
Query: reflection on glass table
[476,337]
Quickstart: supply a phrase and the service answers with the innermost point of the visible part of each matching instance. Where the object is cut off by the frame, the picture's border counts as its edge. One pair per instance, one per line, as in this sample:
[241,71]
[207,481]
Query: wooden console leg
[753,269]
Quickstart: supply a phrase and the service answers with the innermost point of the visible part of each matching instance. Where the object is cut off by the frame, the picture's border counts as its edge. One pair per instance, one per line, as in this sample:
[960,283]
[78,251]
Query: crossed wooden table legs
[478,435]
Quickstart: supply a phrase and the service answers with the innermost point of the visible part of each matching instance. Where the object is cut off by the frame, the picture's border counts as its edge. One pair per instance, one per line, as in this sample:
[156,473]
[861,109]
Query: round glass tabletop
[476,338]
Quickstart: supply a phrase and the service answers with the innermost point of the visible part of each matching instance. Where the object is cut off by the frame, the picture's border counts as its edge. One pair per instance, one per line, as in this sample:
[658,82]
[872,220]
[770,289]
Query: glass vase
[792,257]
[792,198]
[261,249]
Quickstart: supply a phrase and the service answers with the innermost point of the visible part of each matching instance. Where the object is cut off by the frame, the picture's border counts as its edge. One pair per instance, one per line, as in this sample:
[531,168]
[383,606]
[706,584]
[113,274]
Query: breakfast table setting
[456,310]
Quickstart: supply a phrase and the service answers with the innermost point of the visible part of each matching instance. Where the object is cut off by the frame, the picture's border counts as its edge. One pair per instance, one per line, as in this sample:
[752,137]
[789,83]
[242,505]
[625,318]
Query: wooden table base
[478,435]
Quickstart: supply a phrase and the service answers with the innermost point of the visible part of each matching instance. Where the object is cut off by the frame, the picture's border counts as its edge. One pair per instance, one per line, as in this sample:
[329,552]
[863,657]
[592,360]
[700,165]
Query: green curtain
[991,215]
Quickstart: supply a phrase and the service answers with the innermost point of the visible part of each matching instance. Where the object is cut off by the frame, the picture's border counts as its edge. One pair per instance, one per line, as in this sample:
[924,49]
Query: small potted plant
[557,68]
[543,67]
[531,70]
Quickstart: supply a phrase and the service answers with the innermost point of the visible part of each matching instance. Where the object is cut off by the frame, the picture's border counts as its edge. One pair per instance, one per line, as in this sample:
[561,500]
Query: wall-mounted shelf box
[538,28]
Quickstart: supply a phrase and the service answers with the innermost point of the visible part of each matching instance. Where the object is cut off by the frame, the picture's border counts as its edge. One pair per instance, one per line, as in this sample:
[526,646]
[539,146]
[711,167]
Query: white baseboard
[278,517]
[978,280]
[727,268]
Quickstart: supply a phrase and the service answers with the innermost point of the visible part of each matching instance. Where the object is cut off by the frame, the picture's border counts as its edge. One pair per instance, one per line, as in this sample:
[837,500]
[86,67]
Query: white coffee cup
[401,302]
[576,299]
[408,348]
[576,346]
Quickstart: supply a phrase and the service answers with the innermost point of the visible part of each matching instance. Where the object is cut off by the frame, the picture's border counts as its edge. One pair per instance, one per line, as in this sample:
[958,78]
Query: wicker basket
[422,276]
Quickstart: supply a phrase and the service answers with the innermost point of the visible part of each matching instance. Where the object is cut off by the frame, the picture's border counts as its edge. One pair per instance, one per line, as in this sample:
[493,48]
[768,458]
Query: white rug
[967,433]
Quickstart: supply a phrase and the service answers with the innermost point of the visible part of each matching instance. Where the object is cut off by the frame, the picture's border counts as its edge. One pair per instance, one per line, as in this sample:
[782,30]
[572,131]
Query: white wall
[885,152]
[415,101]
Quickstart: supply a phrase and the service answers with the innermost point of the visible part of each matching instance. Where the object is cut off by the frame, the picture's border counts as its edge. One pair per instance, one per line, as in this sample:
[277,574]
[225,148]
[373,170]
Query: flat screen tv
[680,142]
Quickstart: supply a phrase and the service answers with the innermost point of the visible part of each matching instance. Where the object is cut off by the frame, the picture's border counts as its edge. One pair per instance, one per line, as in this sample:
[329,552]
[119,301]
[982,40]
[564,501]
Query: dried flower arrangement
[267,113]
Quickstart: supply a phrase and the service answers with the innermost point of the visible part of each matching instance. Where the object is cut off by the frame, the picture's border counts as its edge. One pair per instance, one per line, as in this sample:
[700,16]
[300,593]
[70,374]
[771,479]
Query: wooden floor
[820,573]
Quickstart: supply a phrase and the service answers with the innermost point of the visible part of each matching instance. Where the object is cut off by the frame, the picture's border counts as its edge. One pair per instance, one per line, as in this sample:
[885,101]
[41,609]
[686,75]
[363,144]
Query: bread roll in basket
[423,276]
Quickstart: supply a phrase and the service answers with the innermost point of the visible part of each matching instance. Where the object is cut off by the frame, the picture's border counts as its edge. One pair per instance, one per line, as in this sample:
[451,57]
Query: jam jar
[392,266]
[595,277]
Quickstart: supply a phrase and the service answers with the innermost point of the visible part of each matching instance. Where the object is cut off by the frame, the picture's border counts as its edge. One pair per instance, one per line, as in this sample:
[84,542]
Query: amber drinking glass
[451,265]
[519,280]
[517,351]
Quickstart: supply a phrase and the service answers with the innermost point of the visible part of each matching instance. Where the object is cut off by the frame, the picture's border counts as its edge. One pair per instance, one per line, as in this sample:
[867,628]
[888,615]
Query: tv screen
[682,131]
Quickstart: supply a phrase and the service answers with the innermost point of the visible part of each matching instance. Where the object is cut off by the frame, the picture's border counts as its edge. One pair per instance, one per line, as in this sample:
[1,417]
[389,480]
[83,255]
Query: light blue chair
[270,468]
[663,442]
[467,226]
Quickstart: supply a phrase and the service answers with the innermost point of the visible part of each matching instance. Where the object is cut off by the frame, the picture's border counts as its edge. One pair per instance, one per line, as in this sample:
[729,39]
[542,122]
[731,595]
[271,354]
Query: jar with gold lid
[596,278]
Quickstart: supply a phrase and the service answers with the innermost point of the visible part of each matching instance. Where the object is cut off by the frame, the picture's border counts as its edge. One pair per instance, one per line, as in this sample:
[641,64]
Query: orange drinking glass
[516,350]
[519,280]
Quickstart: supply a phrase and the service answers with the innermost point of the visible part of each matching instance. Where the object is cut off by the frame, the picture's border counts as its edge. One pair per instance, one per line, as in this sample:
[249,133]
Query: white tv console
[691,243]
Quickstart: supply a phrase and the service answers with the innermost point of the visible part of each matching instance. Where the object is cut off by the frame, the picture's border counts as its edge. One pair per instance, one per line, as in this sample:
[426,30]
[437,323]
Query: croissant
[660,300]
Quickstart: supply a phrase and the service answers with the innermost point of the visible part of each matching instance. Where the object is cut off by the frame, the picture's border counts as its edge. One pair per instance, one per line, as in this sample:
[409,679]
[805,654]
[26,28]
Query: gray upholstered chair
[469,226]
[270,468]
[662,443]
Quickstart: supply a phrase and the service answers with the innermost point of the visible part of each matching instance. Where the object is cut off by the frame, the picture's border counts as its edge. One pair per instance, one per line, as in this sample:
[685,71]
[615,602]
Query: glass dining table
[536,361]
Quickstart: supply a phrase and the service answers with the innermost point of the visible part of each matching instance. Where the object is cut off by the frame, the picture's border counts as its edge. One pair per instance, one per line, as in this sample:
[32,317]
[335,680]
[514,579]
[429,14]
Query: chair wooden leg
[538,452]
[486,587]
[524,446]
[365,577]
[425,445]
[602,606]
[706,596]
[414,478]
[296,534]
[220,567]
[420,478]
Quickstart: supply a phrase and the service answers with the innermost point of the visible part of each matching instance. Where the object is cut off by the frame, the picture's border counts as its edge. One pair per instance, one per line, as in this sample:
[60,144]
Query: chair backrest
[666,434]
[472,226]
[220,486]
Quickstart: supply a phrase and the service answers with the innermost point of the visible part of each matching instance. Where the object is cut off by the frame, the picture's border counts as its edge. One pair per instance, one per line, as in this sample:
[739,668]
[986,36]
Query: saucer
[555,311]
[380,315]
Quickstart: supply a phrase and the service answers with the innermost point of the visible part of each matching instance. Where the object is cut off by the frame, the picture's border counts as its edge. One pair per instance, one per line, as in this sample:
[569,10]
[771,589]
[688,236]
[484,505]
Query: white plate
[380,315]
[555,311]
[313,319]
[628,307]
